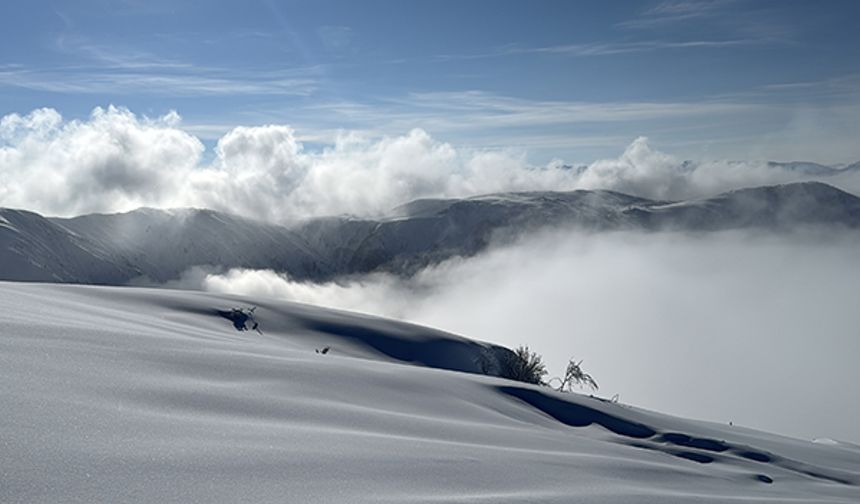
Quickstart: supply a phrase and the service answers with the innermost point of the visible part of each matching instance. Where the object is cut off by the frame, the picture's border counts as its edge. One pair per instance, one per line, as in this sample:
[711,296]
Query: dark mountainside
[156,246]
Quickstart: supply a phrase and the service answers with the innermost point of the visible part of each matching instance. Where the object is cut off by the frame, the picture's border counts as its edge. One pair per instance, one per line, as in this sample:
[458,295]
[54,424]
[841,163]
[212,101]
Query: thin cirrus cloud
[844,87]
[759,24]
[115,160]
[174,80]
[487,107]
[97,69]
[113,57]
[762,123]
[675,11]
[504,120]
[653,18]
[593,49]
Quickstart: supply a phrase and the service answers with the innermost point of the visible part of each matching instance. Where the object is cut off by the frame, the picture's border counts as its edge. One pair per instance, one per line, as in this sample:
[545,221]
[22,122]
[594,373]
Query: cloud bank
[760,331]
[117,161]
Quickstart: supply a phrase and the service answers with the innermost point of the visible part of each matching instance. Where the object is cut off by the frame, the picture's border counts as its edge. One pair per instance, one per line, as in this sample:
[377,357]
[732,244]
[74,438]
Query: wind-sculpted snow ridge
[139,395]
[152,247]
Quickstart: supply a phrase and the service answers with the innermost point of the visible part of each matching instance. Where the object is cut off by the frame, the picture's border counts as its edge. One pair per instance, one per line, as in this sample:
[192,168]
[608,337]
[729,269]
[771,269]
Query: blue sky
[572,80]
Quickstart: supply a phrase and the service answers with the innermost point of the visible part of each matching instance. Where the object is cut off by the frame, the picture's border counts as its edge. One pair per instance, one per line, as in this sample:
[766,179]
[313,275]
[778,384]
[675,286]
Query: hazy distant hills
[780,207]
[426,231]
[158,245]
[34,248]
[161,244]
[814,169]
[430,230]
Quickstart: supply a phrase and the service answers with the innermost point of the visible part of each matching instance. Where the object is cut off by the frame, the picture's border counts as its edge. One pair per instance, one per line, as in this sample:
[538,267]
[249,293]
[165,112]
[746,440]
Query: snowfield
[115,394]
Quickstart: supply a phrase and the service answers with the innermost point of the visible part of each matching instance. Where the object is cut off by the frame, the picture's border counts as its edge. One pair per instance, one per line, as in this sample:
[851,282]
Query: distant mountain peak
[816,189]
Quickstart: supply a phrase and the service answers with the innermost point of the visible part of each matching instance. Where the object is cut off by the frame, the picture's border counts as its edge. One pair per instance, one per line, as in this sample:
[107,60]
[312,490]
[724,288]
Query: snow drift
[138,395]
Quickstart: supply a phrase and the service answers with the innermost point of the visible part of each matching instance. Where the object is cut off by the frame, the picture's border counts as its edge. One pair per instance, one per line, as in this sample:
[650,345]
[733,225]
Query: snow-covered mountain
[33,248]
[813,169]
[163,243]
[137,395]
[156,246]
[426,231]
[430,230]
[771,207]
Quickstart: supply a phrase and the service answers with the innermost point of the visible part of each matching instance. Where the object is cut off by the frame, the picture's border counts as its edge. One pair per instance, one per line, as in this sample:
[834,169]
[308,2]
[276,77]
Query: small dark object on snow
[241,318]
[323,351]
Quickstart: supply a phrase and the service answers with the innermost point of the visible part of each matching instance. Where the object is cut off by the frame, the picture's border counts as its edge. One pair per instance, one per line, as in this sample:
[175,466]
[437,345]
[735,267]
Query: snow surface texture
[138,395]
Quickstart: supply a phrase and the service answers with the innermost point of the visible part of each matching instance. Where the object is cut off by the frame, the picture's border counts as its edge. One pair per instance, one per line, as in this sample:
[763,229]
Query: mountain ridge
[153,246]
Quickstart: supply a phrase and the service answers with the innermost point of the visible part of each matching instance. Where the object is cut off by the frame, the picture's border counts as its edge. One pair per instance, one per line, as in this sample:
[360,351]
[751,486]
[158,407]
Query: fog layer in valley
[756,330]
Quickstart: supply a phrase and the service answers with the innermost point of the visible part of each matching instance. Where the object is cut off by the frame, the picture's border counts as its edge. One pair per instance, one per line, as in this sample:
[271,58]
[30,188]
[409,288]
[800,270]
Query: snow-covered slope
[164,243]
[159,245]
[32,248]
[136,395]
[772,207]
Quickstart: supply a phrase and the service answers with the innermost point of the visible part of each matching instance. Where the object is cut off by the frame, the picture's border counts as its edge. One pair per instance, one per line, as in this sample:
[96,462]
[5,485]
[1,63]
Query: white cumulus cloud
[115,160]
[112,161]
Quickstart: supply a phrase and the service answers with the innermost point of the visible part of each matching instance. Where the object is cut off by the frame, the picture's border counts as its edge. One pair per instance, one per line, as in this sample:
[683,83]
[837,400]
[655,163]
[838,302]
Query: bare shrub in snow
[574,375]
[523,365]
